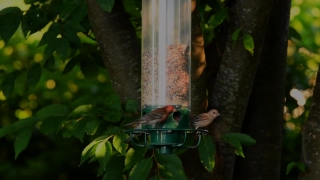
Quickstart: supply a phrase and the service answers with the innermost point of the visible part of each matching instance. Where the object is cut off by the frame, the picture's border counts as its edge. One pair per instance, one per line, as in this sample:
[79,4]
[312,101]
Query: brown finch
[204,119]
[154,117]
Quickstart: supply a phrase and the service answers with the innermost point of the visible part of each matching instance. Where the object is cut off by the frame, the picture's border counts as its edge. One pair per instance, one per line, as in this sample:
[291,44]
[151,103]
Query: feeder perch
[166,68]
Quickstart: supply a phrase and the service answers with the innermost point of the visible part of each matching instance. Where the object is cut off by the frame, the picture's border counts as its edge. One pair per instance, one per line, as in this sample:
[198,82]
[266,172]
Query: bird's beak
[218,114]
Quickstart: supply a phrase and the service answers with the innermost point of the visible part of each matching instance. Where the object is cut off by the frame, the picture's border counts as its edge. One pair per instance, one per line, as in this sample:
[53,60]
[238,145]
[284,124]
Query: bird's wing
[201,117]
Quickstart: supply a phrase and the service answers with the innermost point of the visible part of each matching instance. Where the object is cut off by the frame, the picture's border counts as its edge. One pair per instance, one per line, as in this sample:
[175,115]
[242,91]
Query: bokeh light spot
[8,50]
[67,95]
[38,57]
[1,44]
[50,84]
[32,97]
[17,65]
[102,78]
[2,97]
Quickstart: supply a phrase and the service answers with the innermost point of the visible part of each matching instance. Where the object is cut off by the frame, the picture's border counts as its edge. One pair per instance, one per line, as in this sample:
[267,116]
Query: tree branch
[232,89]
[264,116]
[119,48]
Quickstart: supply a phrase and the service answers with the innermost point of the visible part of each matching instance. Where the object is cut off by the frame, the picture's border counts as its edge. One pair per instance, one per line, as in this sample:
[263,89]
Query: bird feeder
[166,68]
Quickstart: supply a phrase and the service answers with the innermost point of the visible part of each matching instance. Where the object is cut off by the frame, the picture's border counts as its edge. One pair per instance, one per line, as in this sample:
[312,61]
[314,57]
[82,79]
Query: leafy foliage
[299,165]
[237,140]
[207,152]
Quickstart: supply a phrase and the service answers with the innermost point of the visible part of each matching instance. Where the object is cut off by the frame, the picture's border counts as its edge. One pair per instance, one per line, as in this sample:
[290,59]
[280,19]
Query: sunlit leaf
[207,152]
[141,170]
[106,5]
[248,43]
[22,140]
[103,153]
[34,75]
[10,21]
[88,152]
[119,144]
[133,156]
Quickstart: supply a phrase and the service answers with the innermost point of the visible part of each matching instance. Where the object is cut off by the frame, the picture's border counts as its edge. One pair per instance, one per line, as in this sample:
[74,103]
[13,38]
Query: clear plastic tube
[166,43]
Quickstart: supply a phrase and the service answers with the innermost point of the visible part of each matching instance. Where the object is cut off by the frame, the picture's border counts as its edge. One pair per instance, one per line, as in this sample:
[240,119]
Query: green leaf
[248,43]
[21,124]
[67,9]
[301,166]
[169,159]
[237,145]
[106,5]
[293,33]
[10,21]
[51,124]
[131,105]
[172,171]
[92,125]
[155,178]
[112,131]
[89,68]
[88,152]
[219,17]
[63,48]
[119,144]
[74,26]
[50,35]
[34,75]
[71,64]
[235,34]
[73,37]
[49,63]
[113,101]
[55,6]
[244,139]
[83,100]
[141,170]
[74,128]
[81,11]
[22,141]
[112,116]
[8,83]
[133,156]
[81,110]
[20,84]
[114,167]
[103,153]
[52,110]
[34,20]
[207,152]
[50,49]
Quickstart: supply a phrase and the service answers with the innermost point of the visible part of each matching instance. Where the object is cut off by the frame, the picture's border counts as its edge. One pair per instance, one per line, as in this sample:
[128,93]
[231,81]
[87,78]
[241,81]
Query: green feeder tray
[168,135]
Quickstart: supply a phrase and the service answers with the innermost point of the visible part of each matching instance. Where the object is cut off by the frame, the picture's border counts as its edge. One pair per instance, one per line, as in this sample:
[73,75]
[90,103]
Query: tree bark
[232,89]
[264,115]
[119,48]
[310,137]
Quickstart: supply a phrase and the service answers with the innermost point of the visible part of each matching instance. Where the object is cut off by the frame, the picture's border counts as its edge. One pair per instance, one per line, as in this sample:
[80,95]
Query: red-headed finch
[155,116]
[204,119]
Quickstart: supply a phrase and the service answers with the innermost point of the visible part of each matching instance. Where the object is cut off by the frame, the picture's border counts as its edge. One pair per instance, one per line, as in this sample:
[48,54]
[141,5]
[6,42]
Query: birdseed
[177,75]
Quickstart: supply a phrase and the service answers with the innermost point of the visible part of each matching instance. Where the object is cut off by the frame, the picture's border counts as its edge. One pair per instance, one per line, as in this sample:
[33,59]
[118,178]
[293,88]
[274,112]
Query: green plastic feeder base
[168,135]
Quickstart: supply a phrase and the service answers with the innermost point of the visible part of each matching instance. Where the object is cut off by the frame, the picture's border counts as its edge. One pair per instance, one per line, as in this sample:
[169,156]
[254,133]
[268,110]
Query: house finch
[204,119]
[155,116]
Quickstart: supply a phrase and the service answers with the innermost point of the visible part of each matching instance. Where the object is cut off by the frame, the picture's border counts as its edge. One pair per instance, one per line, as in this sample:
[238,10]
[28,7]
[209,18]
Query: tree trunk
[310,137]
[119,48]
[264,115]
[235,78]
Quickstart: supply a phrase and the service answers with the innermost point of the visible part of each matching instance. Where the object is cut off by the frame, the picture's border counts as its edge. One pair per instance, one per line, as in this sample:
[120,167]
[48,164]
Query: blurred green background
[53,157]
